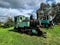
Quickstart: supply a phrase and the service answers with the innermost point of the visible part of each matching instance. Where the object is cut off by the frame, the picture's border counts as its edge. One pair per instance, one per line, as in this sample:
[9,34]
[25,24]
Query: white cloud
[14,12]
[57,1]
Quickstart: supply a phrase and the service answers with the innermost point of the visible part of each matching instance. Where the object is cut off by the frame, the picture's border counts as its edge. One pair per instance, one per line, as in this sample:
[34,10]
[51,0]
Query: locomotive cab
[21,22]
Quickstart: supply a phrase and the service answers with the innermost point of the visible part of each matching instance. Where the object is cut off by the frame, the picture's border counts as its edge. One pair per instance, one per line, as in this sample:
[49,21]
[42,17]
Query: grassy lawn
[13,38]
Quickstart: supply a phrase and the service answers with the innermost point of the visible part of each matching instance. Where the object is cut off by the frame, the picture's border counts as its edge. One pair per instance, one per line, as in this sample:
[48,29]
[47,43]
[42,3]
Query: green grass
[13,38]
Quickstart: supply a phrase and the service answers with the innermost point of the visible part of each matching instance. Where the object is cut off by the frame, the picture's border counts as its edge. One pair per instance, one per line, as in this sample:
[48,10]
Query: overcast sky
[20,7]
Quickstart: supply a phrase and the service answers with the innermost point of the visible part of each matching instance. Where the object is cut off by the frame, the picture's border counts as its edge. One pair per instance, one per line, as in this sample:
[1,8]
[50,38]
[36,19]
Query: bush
[1,24]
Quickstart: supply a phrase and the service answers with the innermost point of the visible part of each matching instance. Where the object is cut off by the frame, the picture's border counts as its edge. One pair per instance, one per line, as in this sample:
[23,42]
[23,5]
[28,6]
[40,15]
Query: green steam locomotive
[29,25]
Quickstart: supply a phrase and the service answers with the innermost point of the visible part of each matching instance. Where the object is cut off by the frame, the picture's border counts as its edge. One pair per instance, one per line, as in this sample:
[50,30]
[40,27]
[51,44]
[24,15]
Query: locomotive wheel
[29,32]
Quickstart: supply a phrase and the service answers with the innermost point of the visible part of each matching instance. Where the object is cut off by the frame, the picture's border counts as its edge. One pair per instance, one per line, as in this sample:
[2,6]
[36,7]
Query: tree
[56,11]
[43,10]
[9,22]
[49,10]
